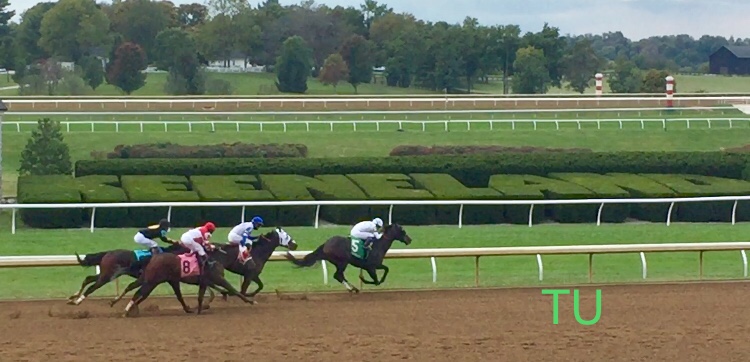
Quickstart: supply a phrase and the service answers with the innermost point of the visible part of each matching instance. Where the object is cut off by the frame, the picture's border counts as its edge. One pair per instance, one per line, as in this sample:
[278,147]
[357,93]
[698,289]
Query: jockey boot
[368,243]
[202,264]
[155,250]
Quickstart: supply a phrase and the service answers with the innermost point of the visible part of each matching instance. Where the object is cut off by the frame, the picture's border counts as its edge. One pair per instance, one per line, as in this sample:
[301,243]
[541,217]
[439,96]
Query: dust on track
[682,322]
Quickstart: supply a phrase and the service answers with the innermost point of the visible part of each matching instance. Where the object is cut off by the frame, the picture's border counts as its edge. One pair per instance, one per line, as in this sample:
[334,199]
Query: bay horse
[261,251]
[174,269]
[340,251]
[112,265]
[229,259]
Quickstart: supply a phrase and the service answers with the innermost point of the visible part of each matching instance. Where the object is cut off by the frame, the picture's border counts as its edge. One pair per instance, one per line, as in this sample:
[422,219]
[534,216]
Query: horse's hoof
[188,311]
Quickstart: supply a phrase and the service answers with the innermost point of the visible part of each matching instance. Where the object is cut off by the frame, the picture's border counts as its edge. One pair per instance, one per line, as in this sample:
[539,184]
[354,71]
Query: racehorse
[228,257]
[342,251]
[113,264]
[174,269]
[260,253]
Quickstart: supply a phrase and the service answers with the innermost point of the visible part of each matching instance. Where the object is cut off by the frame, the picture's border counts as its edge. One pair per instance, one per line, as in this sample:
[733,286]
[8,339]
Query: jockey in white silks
[369,231]
[240,234]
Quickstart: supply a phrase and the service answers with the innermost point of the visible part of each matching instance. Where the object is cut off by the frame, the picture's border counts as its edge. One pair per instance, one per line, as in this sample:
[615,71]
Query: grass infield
[412,273]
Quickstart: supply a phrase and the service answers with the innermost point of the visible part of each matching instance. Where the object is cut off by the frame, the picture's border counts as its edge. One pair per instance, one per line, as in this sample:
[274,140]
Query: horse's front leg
[373,274]
[385,274]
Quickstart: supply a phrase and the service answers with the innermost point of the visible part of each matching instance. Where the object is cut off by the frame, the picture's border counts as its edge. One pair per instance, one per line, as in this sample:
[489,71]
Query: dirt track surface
[691,322]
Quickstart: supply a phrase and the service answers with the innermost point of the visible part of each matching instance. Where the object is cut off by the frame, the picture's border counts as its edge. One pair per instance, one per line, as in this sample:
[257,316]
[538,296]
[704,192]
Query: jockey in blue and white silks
[241,234]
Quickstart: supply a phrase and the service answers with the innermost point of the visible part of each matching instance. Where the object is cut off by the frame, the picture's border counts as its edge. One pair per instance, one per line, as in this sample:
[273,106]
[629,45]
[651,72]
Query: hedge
[409,150]
[471,170]
[390,186]
[233,150]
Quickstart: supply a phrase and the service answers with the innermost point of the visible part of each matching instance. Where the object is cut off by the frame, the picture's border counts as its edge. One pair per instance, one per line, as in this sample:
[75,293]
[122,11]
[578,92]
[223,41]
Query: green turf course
[415,273]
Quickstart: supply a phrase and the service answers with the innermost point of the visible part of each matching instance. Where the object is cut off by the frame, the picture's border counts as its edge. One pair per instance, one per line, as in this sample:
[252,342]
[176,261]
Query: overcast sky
[635,18]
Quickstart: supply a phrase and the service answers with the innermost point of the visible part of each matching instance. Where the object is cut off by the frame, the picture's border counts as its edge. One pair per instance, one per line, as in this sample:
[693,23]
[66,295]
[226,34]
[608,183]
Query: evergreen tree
[46,152]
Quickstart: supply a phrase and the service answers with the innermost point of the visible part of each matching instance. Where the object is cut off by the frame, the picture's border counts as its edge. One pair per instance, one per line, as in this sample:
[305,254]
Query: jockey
[146,236]
[197,239]
[240,234]
[368,231]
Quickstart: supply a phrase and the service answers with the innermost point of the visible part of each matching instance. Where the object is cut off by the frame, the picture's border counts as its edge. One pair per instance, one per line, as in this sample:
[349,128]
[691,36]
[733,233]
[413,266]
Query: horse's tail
[308,260]
[91,259]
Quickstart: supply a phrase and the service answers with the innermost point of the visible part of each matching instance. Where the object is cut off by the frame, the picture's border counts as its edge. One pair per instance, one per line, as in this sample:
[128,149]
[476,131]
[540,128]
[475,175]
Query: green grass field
[263,83]
[412,273]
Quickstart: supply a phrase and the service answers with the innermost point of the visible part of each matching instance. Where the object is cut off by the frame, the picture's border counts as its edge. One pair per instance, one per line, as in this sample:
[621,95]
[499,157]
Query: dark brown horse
[112,265]
[174,269]
[228,254]
[339,251]
[260,253]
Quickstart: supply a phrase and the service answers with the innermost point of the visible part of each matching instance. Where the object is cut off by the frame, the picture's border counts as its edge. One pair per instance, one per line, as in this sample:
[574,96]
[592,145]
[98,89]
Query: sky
[637,19]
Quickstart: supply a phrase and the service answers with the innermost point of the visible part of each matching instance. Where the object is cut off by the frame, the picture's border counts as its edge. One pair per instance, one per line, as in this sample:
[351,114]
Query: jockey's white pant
[363,235]
[234,238]
[188,242]
[141,239]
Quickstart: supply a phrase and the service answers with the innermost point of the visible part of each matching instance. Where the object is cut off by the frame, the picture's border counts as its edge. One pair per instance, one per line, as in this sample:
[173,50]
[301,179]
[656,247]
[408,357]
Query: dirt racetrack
[682,322]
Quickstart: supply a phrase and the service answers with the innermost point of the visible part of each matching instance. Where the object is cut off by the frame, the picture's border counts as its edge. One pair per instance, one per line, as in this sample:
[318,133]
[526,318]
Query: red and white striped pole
[670,90]
[599,83]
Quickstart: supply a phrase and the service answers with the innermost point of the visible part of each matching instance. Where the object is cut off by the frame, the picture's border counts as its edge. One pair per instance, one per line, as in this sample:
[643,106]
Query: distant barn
[730,60]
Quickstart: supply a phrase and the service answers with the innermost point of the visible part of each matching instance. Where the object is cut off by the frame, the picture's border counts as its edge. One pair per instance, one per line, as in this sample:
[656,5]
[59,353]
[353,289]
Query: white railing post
[93,218]
[390,215]
[461,216]
[317,216]
[643,264]
[541,266]
[599,215]
[531,214]
[325,272]
[734,212]
[13,221]
[169,214]
[242,217]
[669,213]
[434,269]
[744,263]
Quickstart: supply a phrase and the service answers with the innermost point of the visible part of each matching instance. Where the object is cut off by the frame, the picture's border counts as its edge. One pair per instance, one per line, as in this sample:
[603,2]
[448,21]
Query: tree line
[335,44]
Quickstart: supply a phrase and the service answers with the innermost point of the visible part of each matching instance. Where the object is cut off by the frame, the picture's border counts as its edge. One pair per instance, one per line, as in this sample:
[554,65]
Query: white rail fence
[476,253]
[433,100]
[363,113]
[391,203]
[130,126]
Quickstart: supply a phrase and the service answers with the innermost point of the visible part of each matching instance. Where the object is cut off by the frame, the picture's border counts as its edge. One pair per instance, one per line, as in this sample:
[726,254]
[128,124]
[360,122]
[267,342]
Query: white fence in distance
[476,253]
[366,101]
[352,125]
[390,203]
[365,113]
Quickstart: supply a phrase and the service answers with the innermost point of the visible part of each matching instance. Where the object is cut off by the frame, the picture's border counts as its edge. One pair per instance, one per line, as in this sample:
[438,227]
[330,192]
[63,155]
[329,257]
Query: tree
[178,54]
[191,15]
[72,28]
[334,70]
[46,152]
[531,75]
[139,21]
[6,35]
[91,71]
[127,68]
[293,66]
[626,78]
[580,65]
[29,32]
[552,46]
[357,53]
[655,81]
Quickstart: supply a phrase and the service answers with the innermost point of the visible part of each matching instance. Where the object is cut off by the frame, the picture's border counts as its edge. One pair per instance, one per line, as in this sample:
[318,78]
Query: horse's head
[397,232]
[282,238]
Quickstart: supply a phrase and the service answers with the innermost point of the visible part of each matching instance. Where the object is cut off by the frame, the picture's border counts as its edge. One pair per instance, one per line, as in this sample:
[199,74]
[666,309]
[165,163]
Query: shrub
[405,150]
[49,189]
[224,150]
